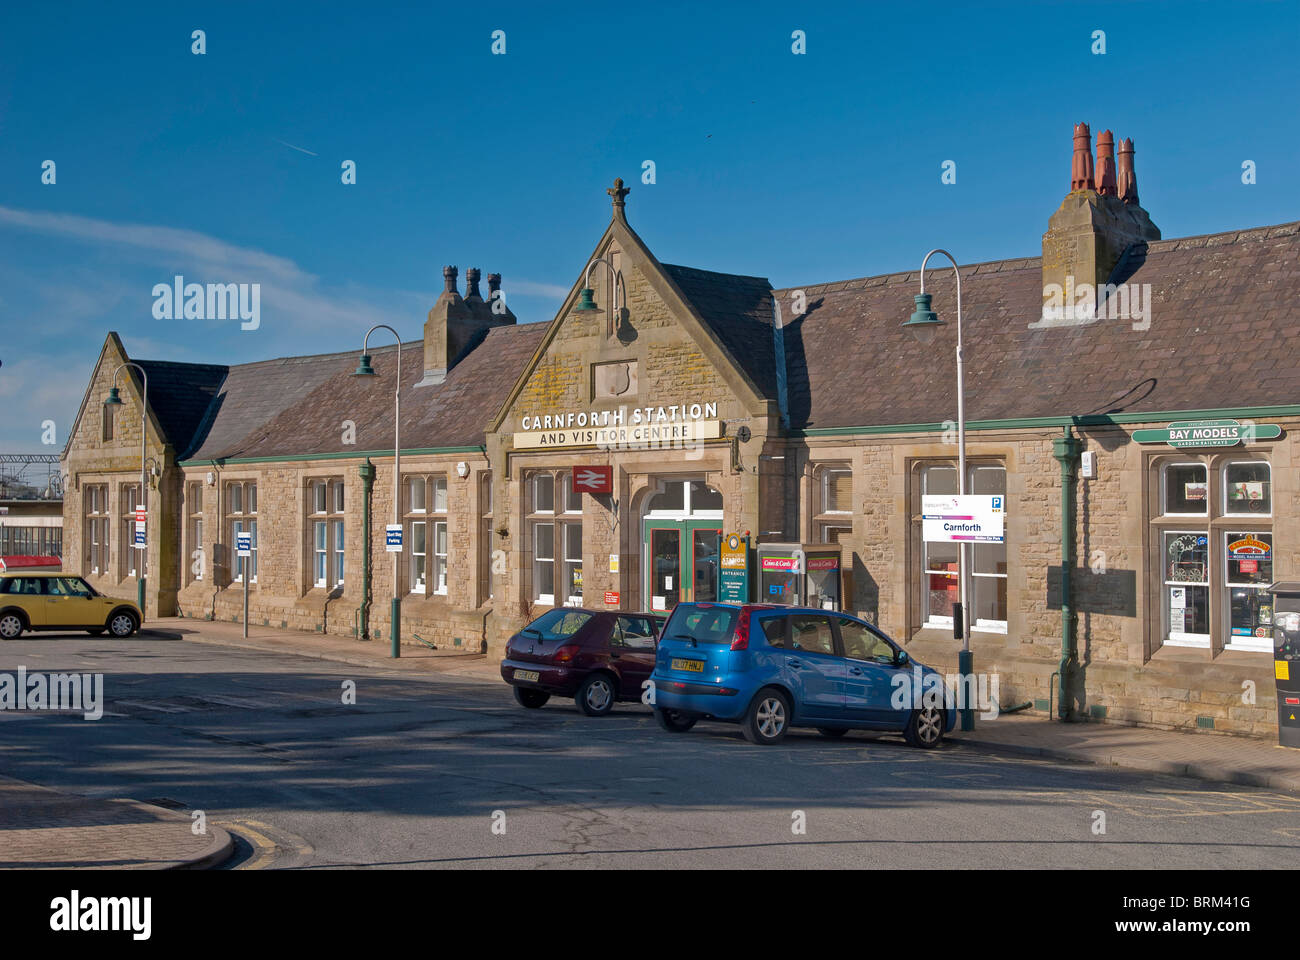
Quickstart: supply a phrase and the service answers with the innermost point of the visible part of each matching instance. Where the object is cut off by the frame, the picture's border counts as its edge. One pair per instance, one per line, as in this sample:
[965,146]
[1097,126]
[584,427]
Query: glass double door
[681,561]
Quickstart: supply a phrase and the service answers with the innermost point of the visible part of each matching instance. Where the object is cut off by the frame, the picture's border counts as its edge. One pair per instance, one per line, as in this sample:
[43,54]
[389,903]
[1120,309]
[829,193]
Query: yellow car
[31,600]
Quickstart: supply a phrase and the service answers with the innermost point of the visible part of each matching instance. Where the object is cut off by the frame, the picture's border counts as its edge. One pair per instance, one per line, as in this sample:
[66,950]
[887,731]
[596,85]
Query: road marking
[266,849]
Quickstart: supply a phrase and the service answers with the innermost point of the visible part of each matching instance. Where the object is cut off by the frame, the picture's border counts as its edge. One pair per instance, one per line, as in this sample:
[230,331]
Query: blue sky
[798,168]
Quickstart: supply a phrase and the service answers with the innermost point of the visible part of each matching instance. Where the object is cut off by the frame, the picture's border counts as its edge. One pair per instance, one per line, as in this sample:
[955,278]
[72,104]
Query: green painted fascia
[416,451]
[1028,423]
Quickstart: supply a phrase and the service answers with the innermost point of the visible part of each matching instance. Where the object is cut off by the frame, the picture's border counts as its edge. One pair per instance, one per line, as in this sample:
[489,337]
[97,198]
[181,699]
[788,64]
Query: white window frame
[236,520]
[327,516]
[568,562]
[1164,487]
[567,486]
[419,583]
[1251,644]
[934,620]
[412,485]
[320,552]
[826,491]
[339,556]
[127,559]
[1224,483]
[439,570]
[537,480]
[539,597]
[98,527]
[1183,638]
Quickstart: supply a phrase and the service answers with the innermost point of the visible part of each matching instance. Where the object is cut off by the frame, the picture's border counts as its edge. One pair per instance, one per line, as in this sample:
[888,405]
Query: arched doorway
[681,530]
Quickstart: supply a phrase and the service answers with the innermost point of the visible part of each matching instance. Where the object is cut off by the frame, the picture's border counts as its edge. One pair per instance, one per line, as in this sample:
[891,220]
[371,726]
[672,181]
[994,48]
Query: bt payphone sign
[973,518]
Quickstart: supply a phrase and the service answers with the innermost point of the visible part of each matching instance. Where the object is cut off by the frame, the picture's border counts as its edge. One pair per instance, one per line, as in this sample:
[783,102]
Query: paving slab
[44,829]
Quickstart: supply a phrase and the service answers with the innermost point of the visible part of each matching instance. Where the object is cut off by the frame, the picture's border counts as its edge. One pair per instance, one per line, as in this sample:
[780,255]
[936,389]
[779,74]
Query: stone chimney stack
[455,325]
[1087,238]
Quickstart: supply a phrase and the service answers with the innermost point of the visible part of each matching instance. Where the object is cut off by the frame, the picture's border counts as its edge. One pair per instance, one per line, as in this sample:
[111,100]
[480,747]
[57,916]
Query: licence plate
[691,666]
[530,675]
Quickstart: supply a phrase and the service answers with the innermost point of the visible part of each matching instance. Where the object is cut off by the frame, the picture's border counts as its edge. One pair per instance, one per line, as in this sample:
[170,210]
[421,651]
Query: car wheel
[95,631]
[925,728]
[767,718]
[121,625]
[11,626]
[674,722]
[532,699]
[832,733]
[596,695]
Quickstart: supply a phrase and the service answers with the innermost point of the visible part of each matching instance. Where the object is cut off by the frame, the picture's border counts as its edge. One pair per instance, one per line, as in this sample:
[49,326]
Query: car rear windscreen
[558,624]
[703,624]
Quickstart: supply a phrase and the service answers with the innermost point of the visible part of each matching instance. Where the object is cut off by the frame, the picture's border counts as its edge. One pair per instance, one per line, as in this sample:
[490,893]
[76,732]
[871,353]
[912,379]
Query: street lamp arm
[616,277]
[365,346]
[956,271]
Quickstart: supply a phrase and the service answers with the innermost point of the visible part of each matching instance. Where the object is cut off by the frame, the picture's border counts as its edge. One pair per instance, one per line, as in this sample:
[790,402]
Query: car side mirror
[902,659]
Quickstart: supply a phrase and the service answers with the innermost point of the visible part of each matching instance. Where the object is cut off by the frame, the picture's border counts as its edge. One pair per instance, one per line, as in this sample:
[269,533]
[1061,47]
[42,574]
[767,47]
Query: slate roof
[1224,332]
[738,310]
[179,395]
[297,405]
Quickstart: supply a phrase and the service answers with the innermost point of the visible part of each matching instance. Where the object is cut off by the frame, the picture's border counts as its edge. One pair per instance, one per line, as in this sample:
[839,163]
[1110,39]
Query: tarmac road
[431,772]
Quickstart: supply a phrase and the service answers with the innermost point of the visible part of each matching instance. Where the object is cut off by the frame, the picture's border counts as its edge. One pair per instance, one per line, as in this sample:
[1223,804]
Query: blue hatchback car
[769,668]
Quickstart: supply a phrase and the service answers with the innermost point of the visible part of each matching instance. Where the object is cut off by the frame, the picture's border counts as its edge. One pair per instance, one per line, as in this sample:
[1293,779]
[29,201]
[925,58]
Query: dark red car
[594,656]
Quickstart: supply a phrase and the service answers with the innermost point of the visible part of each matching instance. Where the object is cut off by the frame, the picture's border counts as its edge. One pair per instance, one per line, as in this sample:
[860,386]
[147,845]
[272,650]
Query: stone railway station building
[801,415]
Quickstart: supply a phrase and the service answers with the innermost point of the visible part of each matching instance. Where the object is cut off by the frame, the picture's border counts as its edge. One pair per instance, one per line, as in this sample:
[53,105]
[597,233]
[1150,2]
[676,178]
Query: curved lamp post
[364,369]
[114,400]
[923,325]
[586,303]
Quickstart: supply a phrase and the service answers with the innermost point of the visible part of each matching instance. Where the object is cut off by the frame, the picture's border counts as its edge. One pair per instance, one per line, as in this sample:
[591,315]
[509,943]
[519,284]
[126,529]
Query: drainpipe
[1066,449]
[367,471]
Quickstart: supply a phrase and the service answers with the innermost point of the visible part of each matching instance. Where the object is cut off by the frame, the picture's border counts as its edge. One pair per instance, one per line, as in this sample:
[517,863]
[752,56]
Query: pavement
[128,834]
[43,829]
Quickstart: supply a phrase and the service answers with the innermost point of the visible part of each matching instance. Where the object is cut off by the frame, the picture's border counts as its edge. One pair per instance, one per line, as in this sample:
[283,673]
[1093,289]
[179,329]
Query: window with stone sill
[486,573]
[96,528]
[195,567]
[428,536]
[940,587]
[1212,572]
[127,552]
[241,517]
[833,503]
[327,498]
[557,573]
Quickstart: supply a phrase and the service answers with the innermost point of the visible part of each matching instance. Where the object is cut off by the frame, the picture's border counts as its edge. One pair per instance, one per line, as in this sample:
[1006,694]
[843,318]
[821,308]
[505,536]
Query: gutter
[1089,420]
[367,471]
[1066,450]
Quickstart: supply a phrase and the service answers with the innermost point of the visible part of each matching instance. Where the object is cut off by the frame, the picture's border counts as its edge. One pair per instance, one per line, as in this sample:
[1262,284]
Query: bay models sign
[624,428]
[1209,433]
[975,517]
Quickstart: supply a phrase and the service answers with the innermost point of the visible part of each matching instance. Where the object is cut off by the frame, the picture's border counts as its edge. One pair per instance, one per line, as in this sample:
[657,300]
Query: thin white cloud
[176,243]
[300,149]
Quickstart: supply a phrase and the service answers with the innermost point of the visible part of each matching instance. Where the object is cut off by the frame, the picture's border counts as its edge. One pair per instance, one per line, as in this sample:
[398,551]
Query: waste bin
[1286,660]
